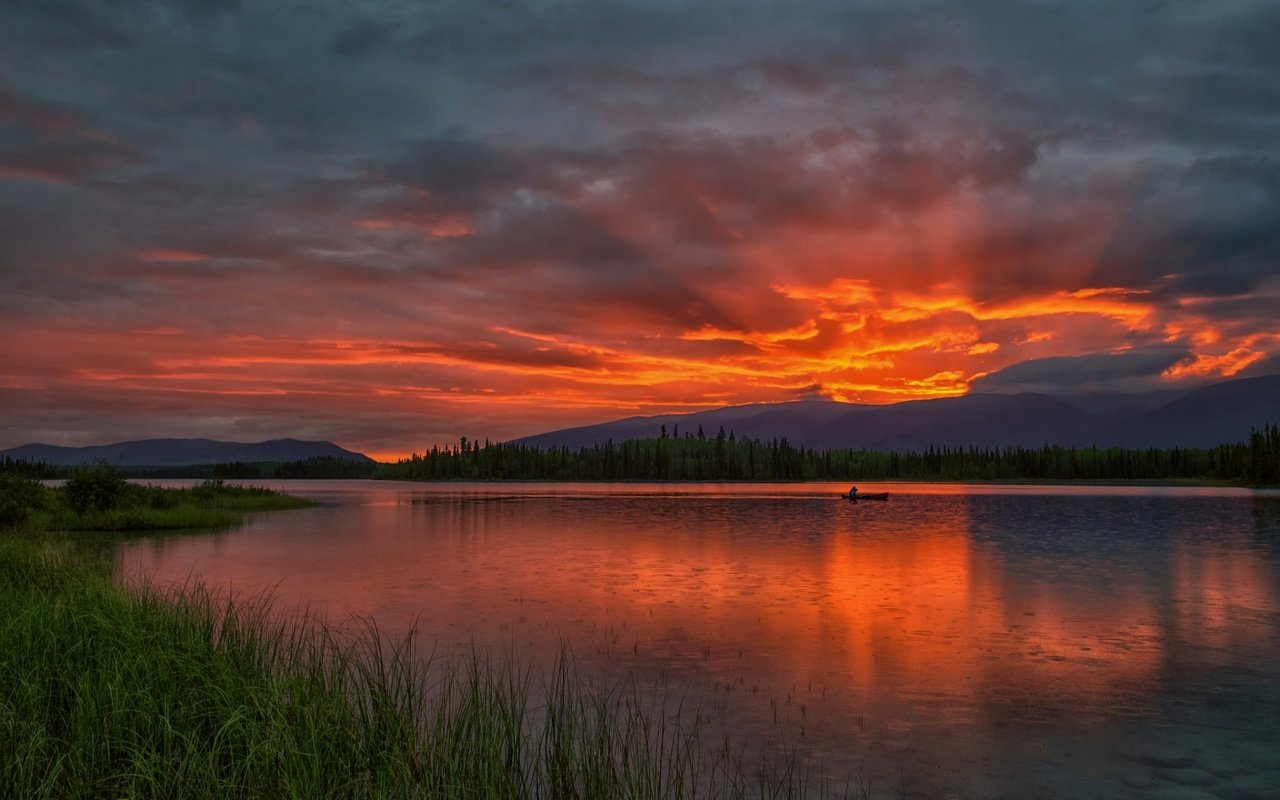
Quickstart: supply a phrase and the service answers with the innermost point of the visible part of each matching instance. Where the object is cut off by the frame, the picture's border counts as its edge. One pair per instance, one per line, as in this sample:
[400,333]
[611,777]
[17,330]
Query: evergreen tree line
[727,457]
[36,470]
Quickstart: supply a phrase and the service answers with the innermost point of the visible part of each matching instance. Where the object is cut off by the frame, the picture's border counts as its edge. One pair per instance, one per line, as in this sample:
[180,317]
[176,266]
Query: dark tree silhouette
[729,457]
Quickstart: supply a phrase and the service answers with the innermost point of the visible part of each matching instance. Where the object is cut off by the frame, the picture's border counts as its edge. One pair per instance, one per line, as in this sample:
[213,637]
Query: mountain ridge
[170,452]
[1203,417]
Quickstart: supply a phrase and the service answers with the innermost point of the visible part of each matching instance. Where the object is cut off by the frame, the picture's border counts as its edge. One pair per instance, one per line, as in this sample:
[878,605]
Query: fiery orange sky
[398,229]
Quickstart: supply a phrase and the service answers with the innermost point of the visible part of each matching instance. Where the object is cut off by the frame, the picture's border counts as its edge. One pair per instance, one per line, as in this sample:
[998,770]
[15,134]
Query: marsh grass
[101,500]
[136,692]
[134,519]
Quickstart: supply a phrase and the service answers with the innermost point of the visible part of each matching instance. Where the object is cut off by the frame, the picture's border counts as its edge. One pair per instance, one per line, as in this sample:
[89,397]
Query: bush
[19,496]
[99,489]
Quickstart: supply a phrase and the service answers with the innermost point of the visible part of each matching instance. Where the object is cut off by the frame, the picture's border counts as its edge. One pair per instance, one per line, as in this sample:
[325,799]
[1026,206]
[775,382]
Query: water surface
[954,641]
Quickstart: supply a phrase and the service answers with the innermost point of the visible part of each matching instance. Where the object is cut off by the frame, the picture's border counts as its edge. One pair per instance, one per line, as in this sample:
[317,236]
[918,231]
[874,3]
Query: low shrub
[99,489]
[19,498]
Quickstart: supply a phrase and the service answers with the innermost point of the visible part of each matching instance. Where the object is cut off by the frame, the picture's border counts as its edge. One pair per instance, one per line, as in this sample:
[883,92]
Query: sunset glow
[358,234]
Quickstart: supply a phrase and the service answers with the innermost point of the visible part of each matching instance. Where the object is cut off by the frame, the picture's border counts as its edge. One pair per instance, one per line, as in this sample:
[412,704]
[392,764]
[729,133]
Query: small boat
[866,496]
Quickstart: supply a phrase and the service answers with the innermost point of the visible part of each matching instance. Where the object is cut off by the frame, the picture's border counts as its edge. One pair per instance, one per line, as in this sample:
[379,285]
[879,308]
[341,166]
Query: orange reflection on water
[862,605]
[960,631]
[1215,591]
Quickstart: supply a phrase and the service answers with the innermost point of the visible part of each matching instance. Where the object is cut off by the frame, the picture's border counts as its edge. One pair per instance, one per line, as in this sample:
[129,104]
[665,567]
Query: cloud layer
[394,224]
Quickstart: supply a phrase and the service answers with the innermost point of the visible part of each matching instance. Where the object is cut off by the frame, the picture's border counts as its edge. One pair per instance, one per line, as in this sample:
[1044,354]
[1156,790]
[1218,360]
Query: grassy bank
[110,691]
[114,692]
[102,500]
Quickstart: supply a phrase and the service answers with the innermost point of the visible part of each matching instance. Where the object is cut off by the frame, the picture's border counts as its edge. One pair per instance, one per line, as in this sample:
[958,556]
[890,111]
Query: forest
[698,457]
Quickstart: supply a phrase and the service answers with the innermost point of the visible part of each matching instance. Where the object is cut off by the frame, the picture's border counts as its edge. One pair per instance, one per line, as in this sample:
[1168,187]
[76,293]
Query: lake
[967,641]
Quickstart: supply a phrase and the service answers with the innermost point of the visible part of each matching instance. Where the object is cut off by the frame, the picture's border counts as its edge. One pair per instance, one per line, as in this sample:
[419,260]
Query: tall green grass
[102,500]
[134,519]
[141,693]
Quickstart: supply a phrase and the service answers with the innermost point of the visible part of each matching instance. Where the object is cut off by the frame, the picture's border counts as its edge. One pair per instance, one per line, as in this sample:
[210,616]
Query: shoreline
[1152,482]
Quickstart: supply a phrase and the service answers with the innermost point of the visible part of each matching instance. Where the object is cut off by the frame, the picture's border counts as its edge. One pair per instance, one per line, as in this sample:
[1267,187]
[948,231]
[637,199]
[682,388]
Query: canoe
[867,496]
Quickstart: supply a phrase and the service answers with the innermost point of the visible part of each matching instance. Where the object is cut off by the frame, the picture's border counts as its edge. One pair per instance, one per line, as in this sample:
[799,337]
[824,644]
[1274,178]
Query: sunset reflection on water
[959,634]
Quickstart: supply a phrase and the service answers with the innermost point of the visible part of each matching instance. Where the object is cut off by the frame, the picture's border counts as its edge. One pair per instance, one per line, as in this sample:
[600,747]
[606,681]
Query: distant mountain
[1215,414]
[181,452]
[745,420]
[979,419]
[1220,412]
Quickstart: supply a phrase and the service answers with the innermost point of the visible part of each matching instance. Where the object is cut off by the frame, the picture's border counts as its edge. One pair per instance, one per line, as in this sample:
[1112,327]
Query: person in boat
[853,492]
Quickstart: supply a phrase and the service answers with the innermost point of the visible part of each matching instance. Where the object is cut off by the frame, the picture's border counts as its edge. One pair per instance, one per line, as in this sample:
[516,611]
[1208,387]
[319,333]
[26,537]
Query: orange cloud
[850,341]
[1121,305]
[177,256]
[443,227]
[1225,365]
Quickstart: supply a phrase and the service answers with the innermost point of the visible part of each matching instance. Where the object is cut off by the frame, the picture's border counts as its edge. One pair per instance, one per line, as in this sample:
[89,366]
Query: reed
[107,691]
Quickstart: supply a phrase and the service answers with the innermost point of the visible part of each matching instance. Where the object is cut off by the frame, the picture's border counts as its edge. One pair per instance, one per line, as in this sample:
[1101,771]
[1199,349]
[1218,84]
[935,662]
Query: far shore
[1169,482]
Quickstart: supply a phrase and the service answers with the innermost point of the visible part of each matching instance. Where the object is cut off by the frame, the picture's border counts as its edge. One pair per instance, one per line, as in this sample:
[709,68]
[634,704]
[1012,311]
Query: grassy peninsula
[100,499]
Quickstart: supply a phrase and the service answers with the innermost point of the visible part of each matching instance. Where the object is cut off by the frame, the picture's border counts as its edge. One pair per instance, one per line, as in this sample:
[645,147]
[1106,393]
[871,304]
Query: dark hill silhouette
[758,420]
[1215,414]
[1220,412]
[993,420]
[181,452]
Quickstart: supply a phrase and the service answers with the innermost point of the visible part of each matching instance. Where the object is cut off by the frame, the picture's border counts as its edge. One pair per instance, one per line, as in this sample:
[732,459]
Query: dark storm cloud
[64,159]
[631,222]
[827,176]
[66,23]
[361,38]
[1082,373]
[40,141]
[462,173]
[1268,366]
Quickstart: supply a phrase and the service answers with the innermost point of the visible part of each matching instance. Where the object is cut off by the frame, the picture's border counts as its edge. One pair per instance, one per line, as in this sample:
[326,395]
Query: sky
[392,224]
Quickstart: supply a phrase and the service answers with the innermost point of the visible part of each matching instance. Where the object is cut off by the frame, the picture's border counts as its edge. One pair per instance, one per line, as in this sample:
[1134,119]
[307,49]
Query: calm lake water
[955,641]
